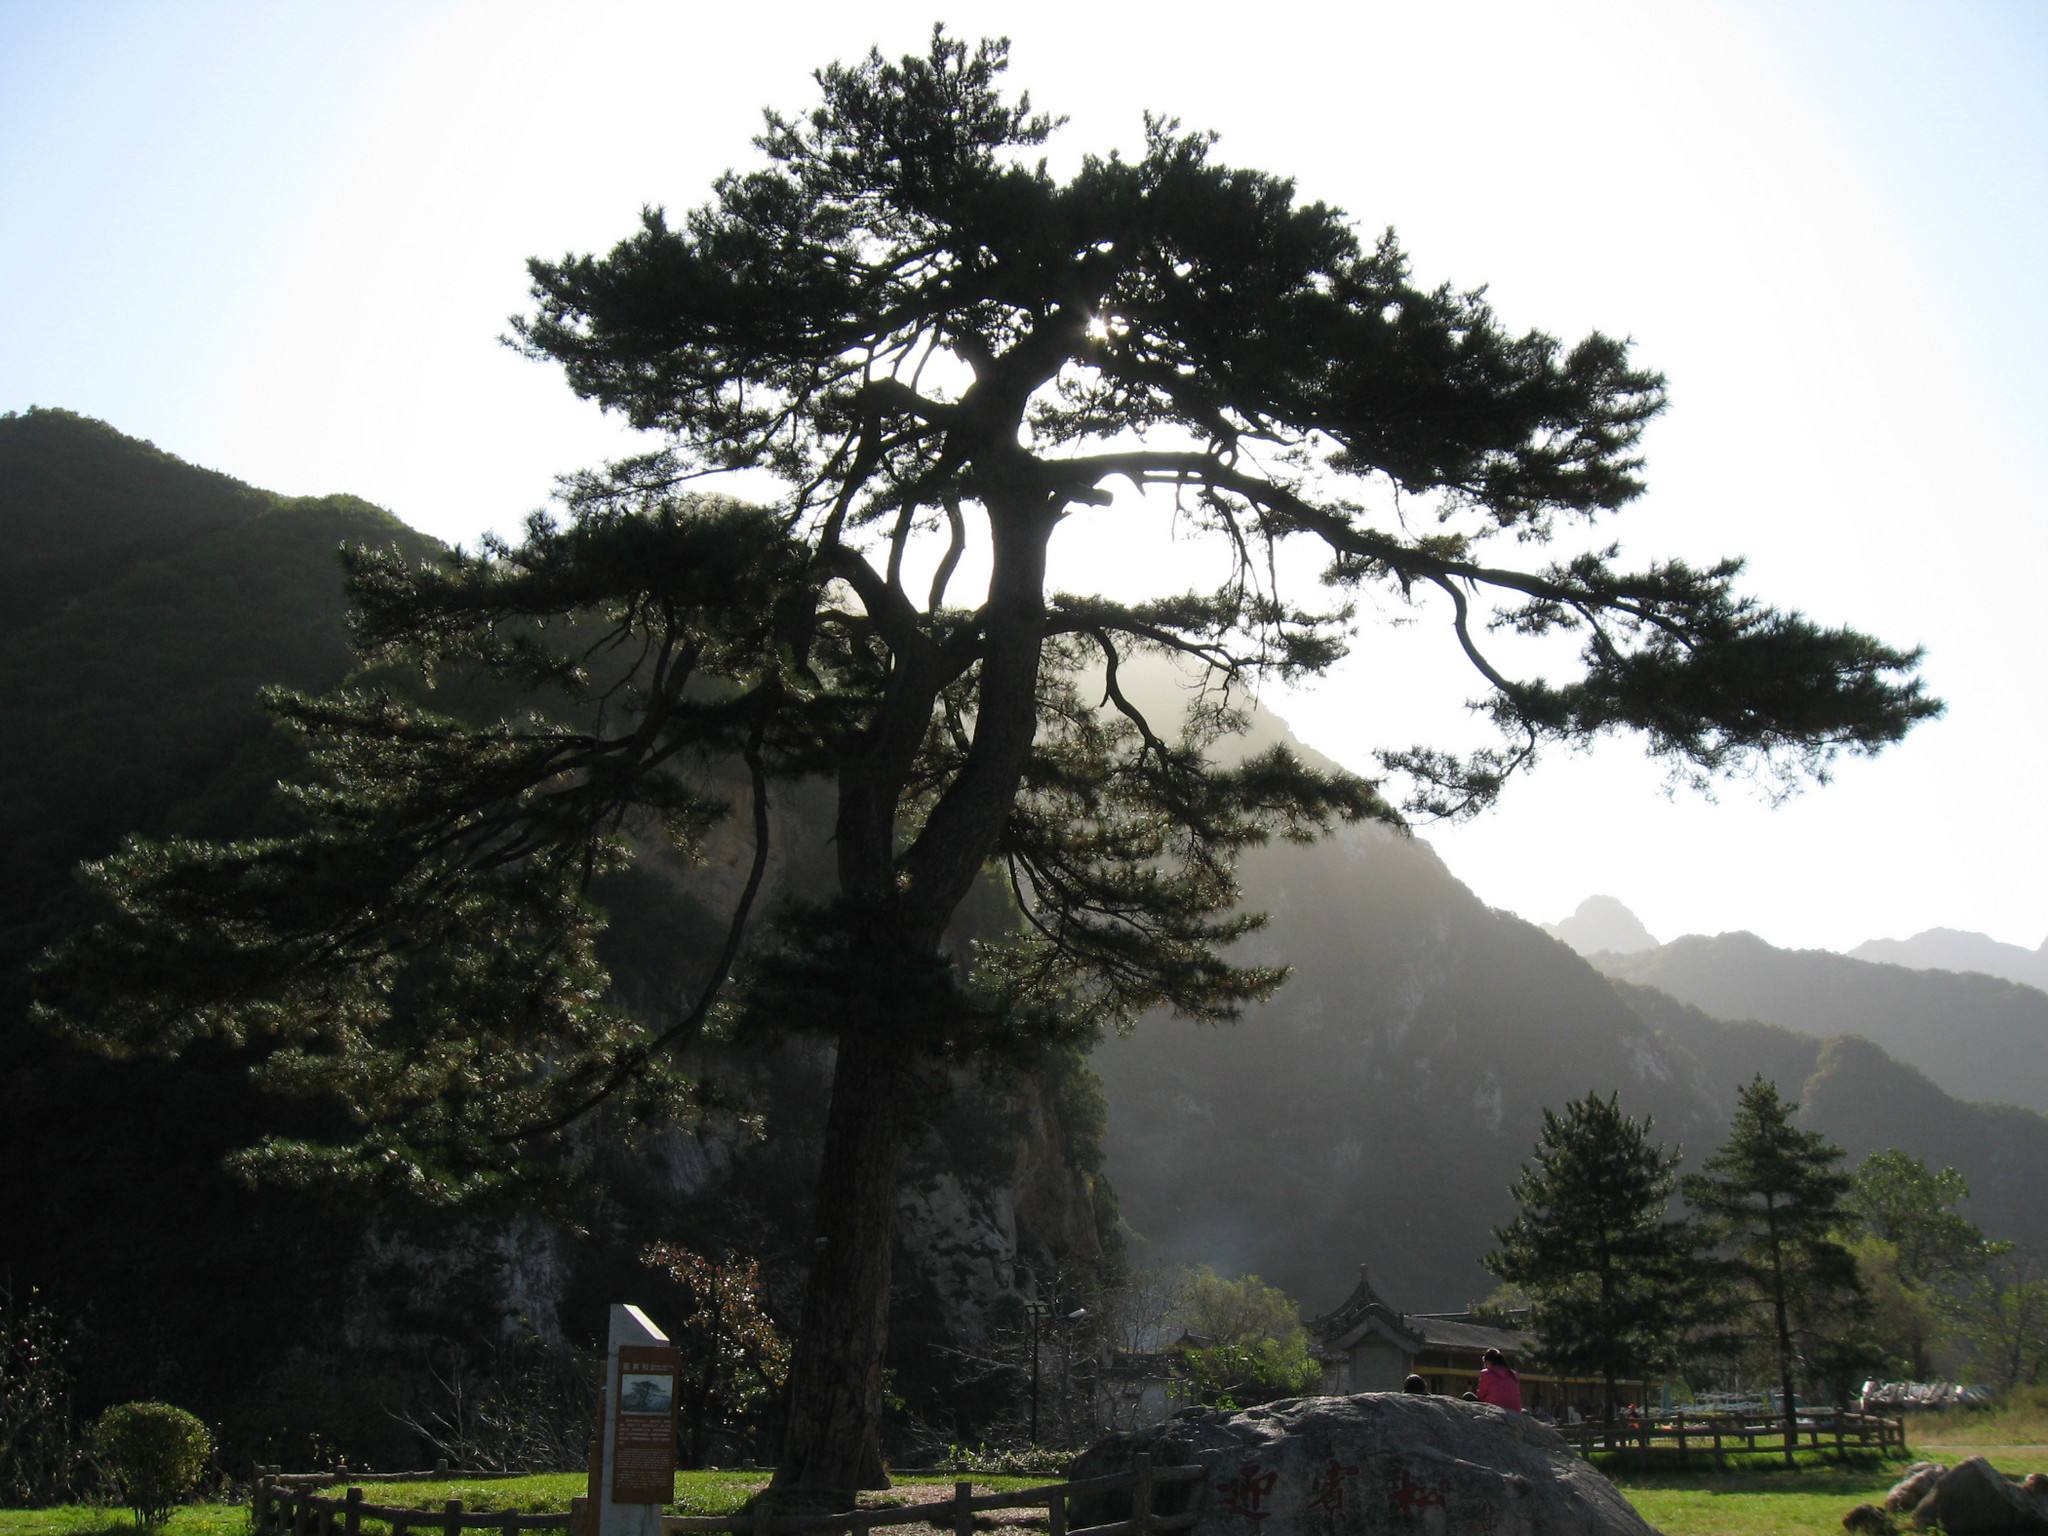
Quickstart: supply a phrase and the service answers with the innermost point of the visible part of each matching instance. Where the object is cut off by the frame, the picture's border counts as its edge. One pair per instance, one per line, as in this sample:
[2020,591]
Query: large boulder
[1975,1499]
[1379,1462]
[1915,1485]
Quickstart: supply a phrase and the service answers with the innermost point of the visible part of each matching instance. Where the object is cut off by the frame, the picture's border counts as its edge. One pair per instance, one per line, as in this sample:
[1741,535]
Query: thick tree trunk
[832,1441]
[1785,1385]
[832,1444]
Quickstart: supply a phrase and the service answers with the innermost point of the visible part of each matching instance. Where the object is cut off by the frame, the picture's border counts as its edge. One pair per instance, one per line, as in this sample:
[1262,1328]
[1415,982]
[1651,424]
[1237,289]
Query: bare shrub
[42,1454]
[517,1406]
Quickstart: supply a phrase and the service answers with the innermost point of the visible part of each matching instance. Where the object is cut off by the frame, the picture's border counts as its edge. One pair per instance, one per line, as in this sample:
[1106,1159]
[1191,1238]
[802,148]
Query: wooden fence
[297,1503]
[1718,1435]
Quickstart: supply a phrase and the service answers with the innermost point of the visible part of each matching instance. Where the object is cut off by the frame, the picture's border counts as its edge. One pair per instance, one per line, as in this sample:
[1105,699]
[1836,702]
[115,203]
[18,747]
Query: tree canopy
[1897,1197]
[1243,1341]
[933,347]
[1915,1251]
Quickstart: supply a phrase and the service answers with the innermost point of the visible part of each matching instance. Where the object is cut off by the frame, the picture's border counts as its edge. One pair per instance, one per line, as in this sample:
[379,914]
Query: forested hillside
[146,603]
[149,601]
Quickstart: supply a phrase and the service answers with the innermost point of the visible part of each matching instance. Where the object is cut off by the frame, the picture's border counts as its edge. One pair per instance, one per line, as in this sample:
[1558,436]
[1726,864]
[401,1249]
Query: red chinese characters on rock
[1326,1493]
[1244,1494]
[1411,1497]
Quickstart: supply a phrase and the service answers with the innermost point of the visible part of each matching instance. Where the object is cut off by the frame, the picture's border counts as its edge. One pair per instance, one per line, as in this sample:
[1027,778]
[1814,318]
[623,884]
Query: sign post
[638,1476]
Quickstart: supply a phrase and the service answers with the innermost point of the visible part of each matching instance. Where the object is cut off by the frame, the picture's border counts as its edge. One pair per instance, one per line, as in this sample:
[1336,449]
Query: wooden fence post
[1141,1493]
[352,1513]
[1056,1512]
[963,1510]
[451,1516]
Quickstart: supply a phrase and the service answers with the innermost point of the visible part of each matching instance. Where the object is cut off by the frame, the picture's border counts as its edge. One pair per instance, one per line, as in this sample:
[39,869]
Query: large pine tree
[1772,1197]
[1608,1271]
[934,345]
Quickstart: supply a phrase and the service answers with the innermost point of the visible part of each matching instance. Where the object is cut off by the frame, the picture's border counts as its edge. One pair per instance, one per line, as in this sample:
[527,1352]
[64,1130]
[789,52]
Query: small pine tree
[1607,1274]
[1773,1196]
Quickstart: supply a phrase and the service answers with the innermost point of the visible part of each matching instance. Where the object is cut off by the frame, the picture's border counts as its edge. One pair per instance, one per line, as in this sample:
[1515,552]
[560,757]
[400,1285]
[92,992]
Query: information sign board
[644,1425]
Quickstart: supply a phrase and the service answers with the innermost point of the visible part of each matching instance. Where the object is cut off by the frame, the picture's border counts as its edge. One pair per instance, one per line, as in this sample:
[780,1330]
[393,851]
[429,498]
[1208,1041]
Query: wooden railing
[1718,1435]
[296,1502]
[964,1513]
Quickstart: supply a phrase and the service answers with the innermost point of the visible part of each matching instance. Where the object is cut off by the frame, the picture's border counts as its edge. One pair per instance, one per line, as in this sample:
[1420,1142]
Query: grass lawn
[1808,1501]
[697,1493]
[1755,1501]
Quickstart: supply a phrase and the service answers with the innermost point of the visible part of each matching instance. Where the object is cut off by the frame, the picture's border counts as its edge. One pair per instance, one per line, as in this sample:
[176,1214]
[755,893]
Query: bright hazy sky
[281,240]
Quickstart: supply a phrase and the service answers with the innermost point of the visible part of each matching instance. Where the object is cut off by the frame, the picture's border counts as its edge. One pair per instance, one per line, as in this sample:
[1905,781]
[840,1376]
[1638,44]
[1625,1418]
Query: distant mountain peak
[1603,925]
[1954,949]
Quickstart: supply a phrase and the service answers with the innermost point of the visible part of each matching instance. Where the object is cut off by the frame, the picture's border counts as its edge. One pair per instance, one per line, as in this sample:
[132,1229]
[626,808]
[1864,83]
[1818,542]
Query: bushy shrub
[154,1454]
[1005,1461]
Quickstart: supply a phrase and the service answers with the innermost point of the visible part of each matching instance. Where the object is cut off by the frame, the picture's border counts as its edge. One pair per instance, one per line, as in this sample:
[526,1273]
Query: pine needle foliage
[1772,1197]
[1609,1272]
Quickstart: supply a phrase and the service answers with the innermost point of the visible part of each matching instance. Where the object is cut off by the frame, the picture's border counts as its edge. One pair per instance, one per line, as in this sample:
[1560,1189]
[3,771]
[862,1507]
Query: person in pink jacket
[1498,1383]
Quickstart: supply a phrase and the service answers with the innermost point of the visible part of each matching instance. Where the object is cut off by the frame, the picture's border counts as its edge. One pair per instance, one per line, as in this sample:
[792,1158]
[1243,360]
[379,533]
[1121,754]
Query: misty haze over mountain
[1950,949]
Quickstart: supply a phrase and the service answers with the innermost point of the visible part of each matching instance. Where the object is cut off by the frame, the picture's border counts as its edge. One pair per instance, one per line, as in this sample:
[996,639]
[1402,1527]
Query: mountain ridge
[1981,1038]
[1956,949]
[1602,923]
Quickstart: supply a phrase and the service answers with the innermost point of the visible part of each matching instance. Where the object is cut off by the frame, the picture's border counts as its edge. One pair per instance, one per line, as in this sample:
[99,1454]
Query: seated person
[1498,1383]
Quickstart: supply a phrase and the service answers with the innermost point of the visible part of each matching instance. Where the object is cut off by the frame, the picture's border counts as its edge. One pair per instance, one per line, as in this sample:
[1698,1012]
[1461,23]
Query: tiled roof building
[1367,1346]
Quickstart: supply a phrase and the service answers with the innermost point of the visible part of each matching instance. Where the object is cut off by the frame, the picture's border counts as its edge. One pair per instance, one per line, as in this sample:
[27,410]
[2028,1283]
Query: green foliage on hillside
[146,602]
[1866,1102]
